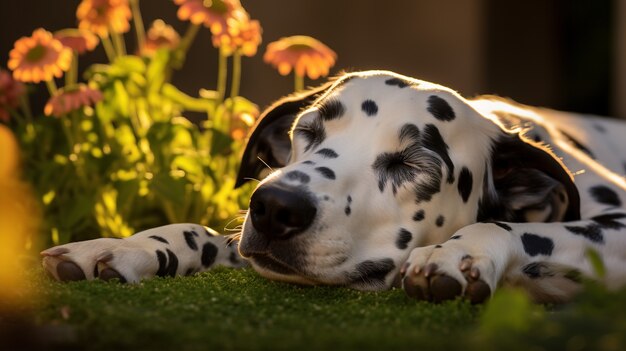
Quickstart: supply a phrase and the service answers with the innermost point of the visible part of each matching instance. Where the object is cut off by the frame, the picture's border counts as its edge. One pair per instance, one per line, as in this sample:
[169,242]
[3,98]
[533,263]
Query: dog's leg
[546,259]
[176,249]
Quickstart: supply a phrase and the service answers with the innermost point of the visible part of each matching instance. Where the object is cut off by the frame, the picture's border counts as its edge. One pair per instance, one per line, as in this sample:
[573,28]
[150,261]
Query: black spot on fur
[95,271]
[438,246]
[537,245]
[609,220]
[592,232]
[298,176]
[331,109]
[537,270]
[190,240]
[162,271]
[369,107]
[372,272]
[404,237]
[172,263]
[209,253]
[308,162]
[326,172]
[577,144]
[433,141]
[605,195]
[159,238]
[503,226]
[404,166]
[349,199]
[439,221]
[455,237]
[401,83]
[465,183]
[418,216]
[312,132]
[327,153]
[347,210]
[440,108]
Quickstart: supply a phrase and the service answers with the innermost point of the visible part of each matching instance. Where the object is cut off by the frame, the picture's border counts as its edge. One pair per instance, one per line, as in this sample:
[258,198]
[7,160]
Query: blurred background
[564,54]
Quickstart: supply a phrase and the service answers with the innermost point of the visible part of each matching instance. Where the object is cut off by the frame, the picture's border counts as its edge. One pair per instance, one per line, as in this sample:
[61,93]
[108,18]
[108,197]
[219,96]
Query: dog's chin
[275,270]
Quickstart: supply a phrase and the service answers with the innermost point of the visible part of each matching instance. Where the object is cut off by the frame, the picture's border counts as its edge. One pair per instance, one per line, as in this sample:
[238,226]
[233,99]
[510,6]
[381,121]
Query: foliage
[128,160]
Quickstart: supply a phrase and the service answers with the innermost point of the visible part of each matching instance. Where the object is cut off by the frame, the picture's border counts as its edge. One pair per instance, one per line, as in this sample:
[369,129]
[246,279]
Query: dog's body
[387,180]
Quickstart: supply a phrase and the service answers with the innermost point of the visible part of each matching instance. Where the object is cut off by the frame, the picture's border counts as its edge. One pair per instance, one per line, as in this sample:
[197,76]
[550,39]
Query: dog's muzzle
[279,212]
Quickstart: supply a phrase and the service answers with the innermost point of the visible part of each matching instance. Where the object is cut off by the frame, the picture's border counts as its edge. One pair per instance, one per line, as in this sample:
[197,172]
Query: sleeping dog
[376,180]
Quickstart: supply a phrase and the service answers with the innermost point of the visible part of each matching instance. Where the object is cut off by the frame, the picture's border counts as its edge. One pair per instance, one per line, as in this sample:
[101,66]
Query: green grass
[238,310]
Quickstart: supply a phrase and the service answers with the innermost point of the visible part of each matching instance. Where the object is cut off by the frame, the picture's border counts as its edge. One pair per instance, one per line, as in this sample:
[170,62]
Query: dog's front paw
[443,272]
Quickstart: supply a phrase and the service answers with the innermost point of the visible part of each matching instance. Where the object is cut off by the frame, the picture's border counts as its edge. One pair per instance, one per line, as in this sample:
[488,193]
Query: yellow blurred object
[19,219]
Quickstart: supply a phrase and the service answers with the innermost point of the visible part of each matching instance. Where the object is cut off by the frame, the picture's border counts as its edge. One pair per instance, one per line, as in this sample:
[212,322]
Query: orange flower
[160,35]
[100,16]
[39,57]
[10,92]
[79,40]
[214,14]
[302,53]
[241,34]
[70,99]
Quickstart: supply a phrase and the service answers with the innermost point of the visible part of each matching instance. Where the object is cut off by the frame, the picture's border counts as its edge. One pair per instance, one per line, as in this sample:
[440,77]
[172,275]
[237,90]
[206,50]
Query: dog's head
[373,164]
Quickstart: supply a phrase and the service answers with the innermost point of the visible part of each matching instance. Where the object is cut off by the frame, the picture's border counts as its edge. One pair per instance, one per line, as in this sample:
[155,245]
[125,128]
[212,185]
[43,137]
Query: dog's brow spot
[331,109]
[440,109]
[326,172]
[403,239]
[439,221]
[537,245]
[605,195]
[455,237]
[369,107]
[298,176]
[327,153]
[418,216]
[465,184]
[309,162]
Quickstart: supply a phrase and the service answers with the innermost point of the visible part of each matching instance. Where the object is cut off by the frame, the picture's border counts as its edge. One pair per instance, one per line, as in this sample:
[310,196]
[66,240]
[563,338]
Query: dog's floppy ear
[268,145]
[526,182]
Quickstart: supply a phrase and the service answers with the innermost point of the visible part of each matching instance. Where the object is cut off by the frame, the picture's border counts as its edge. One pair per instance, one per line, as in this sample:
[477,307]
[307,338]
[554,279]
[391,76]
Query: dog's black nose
[280,211]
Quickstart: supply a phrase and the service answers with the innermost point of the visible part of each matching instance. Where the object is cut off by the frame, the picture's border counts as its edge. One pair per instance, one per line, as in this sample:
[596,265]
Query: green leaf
[169,188]
[220,143]
[189,103]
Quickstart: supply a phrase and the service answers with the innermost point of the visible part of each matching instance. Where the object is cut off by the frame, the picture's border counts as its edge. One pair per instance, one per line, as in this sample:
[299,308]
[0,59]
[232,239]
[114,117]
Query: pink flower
[10,92]
[70,99]
[79,40]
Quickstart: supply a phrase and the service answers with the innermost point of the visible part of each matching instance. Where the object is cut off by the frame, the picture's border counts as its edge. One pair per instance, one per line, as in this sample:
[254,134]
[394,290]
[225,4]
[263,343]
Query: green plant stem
[298,82]
[222,72]
[236,79]
[108,48]
[189,37]
[180,53]
[25,105]
[118,42]
[52,87]
[71,77]
[139,26]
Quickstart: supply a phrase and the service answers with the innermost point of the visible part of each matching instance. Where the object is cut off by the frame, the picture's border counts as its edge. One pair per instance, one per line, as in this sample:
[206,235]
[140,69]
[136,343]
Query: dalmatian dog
[376,180]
